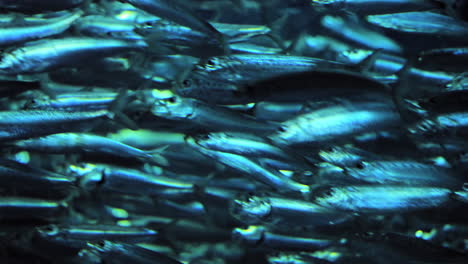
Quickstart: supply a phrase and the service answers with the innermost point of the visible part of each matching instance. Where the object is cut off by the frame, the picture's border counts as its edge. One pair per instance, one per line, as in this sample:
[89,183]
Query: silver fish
[13,34]
[44,55]
[336,122]
[384,199]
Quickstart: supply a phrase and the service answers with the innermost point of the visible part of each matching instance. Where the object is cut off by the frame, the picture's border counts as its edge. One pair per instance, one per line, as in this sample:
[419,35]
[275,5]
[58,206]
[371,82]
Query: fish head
[8,62]
[285,134]
[211,140]
[210,89]
[254,210]
[103,246]
[48,232]
[331,197]
[38,102]
[174,108]
[210,65]
[251,235]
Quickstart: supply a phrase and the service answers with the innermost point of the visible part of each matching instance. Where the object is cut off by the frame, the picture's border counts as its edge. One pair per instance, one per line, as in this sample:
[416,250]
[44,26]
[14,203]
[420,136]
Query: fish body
[34,6]
[80,101]
[286,88]
[250,68]
[424,22]
[353,31]
[12,34]
[259,236]
[75,142]
[284,211]
[240,145]
[25,208]
[177,12]
[34,123]
[363,7]
[120,253]
[335,122]
[79,235]
[42,55]
[384,199]
[208,116]
[129,181]
[403,173]
[254,170]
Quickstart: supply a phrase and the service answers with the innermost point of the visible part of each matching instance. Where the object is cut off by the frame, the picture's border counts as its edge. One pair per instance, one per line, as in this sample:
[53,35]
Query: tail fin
[156,157]
[116,107]
[401,89]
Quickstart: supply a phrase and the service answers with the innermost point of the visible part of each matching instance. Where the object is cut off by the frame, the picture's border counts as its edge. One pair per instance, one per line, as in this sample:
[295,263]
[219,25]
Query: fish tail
[115,110]
[156,157]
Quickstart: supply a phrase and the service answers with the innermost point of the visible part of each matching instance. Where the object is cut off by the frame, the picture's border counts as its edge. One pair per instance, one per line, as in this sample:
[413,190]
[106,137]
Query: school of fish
[234,131]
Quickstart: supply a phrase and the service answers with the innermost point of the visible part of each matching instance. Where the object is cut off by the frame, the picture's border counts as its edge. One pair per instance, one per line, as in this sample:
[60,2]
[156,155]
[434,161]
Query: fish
[24,208]
[14,34]
[380,7]
[124,253]
[37,7]
[423,22]
[77,236]
[288,88]
[401,172]
[355,32]
[240,144]
[259,236]
[179,13]
[126,180]
[44,55]
[75,142]
[25,124]
[207,116]
[289,212]
[335,123]
[383,199]
[34,182]
[251,68]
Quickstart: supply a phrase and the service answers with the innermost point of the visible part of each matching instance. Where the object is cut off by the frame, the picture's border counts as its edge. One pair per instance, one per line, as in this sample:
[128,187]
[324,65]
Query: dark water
[242,131]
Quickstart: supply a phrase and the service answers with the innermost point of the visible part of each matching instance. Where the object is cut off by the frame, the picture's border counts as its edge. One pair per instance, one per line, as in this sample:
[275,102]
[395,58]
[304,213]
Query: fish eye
[432,101]
[49,229]
[281,129]
[328,192]
[360,165]
[187,83]
[171,100]
[100,244]
[210,62]
[204,137]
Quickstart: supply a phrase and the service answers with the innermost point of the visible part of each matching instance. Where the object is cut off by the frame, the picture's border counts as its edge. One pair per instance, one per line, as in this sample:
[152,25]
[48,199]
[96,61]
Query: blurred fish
[260,237]
[179,13]
[42,55]
[285,212]
[77,236]
[336,122]
[363,7]
[384,199]
[126,253]
[254,170]
[35,123]
[14,34]
[425,22]
[34,6]
[25,208]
